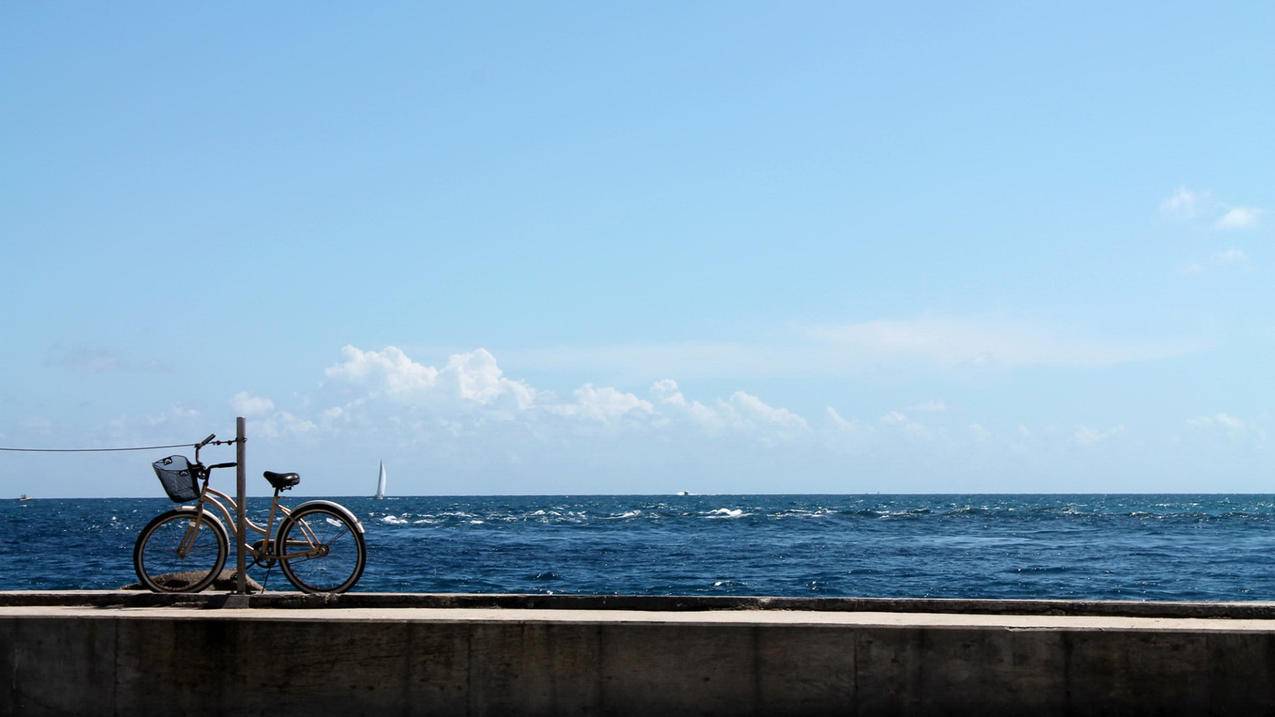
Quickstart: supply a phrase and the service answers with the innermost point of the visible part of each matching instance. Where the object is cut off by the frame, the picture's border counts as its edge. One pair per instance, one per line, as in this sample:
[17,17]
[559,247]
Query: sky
[582,248]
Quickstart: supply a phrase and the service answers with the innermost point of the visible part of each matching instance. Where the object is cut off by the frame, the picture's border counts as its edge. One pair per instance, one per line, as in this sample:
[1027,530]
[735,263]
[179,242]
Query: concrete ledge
[661,603]
[102,657]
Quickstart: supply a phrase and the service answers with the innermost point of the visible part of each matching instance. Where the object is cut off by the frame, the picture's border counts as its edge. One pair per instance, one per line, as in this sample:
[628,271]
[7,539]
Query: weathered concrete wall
[496,662]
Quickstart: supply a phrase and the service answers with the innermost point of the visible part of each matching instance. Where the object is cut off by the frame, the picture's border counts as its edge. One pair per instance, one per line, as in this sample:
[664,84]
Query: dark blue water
[1146,547]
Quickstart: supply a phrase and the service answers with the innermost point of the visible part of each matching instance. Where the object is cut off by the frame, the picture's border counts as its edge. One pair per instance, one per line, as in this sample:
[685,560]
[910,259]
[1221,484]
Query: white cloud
[1085,436]
[849,425]
[604,404]
[670,398]
[1184,203]
[249,406]
[388,370]
[1239,218]
[475,377]
[471,389]
[901,421]
[752,411]
[471,379]
[1187,204]
[282,424]
[741,412]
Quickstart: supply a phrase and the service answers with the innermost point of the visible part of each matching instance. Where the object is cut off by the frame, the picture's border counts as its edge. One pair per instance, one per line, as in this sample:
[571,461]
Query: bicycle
[319,546]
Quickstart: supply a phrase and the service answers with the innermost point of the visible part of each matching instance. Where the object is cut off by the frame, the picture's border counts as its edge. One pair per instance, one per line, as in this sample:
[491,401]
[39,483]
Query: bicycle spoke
[322,558]
[344,532]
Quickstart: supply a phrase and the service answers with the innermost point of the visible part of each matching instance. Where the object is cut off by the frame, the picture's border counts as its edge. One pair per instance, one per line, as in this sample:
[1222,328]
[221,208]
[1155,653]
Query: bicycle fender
[208,516]
[358,524]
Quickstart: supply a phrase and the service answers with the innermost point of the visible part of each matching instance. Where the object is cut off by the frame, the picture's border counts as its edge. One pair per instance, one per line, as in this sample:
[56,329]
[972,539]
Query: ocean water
[1139,547]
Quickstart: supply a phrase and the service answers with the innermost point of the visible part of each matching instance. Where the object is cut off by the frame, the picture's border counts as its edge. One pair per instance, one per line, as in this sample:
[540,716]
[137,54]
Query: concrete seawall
[114,653]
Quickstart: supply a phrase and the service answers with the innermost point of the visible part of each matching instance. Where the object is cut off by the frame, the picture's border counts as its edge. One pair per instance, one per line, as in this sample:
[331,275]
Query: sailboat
[380,484]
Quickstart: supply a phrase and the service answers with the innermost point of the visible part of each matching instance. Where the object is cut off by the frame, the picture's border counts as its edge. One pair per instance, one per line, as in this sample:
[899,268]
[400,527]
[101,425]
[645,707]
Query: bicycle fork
[192,532]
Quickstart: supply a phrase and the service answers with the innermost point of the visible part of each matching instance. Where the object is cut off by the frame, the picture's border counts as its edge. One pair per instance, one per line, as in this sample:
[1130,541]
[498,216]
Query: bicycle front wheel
[320,550]
[175,553]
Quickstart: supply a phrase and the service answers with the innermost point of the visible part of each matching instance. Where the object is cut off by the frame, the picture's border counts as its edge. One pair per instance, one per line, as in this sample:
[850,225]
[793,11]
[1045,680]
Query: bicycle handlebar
[222,465]
[206,441]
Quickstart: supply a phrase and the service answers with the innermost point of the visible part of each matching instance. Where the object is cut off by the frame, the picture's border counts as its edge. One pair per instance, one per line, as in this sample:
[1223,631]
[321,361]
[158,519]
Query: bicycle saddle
[282,481]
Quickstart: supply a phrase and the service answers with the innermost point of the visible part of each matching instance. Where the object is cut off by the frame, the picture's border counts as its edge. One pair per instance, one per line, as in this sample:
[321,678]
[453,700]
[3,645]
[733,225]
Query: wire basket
[179,478]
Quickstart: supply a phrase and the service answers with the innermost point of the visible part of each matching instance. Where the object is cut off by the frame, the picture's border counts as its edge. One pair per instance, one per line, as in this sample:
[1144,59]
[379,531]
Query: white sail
[380,483]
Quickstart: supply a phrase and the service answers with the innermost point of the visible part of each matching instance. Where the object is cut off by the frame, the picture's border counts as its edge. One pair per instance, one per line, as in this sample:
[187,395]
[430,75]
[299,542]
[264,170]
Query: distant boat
[380,484]
[24,496]
[682,492]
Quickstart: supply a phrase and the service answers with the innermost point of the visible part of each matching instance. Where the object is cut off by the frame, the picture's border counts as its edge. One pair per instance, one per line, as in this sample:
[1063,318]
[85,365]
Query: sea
[1125,547]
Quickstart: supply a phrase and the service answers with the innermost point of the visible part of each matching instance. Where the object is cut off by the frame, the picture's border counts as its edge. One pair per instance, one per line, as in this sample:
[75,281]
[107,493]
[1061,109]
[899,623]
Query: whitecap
[394,520]
[727,513]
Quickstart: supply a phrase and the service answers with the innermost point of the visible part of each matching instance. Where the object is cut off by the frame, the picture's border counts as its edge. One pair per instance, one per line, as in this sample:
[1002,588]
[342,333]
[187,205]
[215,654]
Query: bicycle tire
[164,572]
[334,571]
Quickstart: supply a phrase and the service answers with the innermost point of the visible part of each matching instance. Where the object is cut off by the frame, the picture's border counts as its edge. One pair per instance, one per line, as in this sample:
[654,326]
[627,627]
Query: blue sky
[720,247]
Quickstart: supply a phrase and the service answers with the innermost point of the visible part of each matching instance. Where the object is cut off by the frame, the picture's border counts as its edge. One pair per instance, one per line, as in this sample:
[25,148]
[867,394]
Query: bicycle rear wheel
[321,550]
[173,554]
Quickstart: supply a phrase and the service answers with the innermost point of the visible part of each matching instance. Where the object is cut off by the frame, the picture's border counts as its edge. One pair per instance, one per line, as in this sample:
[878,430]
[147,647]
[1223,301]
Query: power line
[93,450]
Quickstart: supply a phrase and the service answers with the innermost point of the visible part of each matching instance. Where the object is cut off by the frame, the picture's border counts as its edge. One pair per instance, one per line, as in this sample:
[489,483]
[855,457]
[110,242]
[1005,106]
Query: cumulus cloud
[471,390]
[1238,218]
[389,371]
[847,425]
[471,379]
[283,423]
[604,404]
[741,412]
[249,406]
[750,410]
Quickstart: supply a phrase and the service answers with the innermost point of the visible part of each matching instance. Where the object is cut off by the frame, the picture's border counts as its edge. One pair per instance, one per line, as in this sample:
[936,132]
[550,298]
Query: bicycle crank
[263,553]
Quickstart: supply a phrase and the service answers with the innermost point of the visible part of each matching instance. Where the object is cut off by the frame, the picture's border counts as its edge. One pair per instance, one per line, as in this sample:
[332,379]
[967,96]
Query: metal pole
[241,520]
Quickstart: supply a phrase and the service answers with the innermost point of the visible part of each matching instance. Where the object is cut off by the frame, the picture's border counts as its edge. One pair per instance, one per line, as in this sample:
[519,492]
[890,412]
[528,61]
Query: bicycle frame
[269,550]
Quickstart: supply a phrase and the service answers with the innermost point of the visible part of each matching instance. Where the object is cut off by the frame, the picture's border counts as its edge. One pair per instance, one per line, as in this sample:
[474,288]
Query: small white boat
[380,484]
[682,492]
[24,496]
